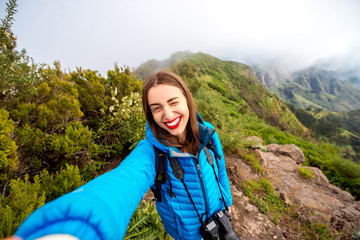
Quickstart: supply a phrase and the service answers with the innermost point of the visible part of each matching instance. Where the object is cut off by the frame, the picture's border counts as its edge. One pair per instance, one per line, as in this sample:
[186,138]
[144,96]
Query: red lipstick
[174,123]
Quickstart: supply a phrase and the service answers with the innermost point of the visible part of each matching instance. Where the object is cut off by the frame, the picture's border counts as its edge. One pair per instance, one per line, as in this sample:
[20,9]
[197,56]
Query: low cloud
[96,34]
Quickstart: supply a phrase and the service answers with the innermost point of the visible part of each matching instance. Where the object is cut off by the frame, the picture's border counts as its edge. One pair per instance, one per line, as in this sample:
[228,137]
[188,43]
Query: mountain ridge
[312,87]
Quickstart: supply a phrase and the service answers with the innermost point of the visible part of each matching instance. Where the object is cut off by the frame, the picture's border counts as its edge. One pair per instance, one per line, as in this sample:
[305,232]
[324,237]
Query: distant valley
[316,86]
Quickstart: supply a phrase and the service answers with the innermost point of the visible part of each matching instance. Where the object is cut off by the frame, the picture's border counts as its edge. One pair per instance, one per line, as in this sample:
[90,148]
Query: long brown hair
[192,129]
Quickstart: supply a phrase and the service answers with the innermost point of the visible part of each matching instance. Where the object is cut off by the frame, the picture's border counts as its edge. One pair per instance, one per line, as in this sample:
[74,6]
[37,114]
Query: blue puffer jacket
[102,208]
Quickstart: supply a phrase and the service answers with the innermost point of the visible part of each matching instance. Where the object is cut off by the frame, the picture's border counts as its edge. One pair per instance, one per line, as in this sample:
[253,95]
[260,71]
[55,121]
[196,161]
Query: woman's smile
[174,123]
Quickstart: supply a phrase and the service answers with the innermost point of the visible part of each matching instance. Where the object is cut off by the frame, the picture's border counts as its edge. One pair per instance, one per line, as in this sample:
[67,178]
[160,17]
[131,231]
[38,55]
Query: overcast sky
[95,34]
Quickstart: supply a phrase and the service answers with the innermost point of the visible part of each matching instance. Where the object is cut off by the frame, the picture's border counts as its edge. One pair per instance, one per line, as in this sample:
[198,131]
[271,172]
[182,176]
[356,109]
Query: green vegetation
[261,194]
[59,130]
[341,129]
[146,224]
[317,231]
[26,195]
[305,172]
[313,87]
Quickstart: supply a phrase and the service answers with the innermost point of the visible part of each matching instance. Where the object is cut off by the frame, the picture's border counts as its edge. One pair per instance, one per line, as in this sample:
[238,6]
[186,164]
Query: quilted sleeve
[102,208]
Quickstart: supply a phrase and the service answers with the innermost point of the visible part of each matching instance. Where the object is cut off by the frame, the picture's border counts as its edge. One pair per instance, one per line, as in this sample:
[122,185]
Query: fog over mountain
[280,70]
[96,34]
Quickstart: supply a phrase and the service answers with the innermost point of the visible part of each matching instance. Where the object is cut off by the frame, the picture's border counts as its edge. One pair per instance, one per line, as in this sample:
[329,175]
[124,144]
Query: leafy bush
[17,71]
[146,224]
[73,145]
[305,172]
[54,105]
[123,124]
[123,80]
[355,234]
[64,181]
[26,196]
[92,94]
[32,146]
[8,147]
[23,199]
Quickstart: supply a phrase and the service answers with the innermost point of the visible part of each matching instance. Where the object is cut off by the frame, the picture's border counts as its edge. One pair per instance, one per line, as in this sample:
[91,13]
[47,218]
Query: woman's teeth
[171,124]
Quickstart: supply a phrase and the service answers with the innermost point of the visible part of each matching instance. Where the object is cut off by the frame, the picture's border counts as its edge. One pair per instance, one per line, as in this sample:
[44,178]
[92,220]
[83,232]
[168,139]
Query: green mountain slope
[312,87]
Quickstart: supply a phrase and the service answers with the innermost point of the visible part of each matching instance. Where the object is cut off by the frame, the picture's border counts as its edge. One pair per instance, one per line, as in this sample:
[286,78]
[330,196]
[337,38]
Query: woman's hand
[13,238]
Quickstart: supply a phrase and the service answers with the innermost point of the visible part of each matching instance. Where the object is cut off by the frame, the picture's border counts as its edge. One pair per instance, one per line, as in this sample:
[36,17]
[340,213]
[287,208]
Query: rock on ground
[316,199]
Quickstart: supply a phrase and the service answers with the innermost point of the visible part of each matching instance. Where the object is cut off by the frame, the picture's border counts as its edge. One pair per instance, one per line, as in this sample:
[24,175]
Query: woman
[102,208]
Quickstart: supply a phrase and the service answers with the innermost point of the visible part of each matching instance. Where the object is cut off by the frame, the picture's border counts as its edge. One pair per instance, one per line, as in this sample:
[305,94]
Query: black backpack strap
[179,173]
[160,178]
[212,147]
[210,160]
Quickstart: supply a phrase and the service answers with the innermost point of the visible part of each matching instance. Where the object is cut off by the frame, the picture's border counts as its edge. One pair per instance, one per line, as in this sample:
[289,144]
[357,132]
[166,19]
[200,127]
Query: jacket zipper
[202,184]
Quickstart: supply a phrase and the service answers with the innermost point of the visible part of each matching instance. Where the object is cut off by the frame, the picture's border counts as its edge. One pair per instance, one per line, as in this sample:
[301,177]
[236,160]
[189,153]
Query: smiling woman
[195,195]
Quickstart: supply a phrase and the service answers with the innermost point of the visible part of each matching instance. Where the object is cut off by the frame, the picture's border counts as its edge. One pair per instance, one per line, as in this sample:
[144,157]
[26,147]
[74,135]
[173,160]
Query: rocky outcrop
[315,199]
[248,222]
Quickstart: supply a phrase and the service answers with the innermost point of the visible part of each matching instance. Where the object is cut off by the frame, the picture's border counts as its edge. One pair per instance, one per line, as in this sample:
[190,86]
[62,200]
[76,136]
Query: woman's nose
[168,114]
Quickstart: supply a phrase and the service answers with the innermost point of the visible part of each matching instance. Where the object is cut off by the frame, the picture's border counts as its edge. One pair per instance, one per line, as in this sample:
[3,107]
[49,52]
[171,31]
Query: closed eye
[173,101]
[155,109]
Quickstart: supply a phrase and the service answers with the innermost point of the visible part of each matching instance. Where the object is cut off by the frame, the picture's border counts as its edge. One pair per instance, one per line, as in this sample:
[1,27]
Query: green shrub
[63,181]
[306,172]
[75,141]
[17,71]
[8,147]
[23,199]
[26,196]
[32,146]
[74,145]
[55,105]
[123,80]
[123,124]
[146,224]
[92,94]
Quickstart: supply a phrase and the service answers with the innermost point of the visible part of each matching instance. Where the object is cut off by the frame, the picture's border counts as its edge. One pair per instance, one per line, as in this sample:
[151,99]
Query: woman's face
[169,109]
